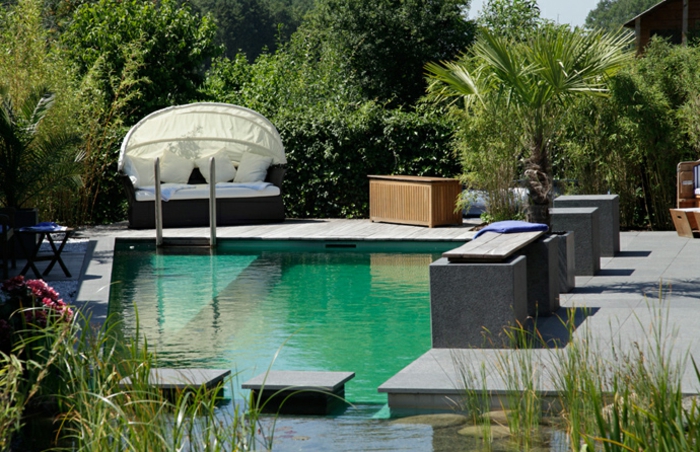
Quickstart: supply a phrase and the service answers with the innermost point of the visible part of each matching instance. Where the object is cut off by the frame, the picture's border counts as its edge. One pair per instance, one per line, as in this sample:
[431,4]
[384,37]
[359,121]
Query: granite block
[608,218]
[542,276]
[471,304]
[585,223]
[567,261]
[299,392]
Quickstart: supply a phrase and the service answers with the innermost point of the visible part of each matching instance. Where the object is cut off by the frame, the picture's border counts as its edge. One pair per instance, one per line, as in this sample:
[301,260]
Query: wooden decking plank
[492,247]
[296,230]
[385,231]
[319,229]
[233,231]
[360,232]
[348,228]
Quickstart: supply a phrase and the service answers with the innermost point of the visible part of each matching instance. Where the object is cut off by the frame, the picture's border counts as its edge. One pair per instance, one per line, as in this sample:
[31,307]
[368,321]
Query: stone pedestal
[608,218]
[567,261]
[585,223]
[472,303]
[542,276]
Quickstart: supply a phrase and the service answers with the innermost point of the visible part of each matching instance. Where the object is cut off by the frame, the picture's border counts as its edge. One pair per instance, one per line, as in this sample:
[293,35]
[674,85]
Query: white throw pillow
[175,169]
[140,170]
[253,168]
[225,171]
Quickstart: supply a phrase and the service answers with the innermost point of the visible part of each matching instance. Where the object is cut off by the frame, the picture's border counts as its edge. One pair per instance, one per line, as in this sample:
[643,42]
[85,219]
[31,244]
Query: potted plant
[33,160]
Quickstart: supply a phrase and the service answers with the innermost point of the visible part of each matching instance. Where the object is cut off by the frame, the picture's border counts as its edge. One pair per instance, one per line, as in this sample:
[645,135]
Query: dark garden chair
[7,249]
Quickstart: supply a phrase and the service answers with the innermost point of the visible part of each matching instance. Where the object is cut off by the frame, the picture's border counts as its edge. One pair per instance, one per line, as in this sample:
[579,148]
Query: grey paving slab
[179,379]
[284,379]
[96,275]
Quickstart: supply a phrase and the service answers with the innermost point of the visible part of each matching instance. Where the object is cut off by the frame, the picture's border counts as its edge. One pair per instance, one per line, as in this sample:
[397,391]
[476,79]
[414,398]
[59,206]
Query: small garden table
[54,256]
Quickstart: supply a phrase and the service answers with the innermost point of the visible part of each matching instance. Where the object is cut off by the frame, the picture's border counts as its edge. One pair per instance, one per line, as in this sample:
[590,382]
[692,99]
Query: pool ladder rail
[160,241]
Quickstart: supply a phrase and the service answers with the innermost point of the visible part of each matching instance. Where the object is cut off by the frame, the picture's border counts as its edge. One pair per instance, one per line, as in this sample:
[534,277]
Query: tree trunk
[539,183]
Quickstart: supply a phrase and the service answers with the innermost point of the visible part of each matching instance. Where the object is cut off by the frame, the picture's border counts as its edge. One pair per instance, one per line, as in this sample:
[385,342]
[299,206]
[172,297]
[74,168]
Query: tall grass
[611,396]
[77,383]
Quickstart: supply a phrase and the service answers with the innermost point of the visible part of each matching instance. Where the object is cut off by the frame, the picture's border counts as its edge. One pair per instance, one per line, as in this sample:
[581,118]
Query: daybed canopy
[202,129]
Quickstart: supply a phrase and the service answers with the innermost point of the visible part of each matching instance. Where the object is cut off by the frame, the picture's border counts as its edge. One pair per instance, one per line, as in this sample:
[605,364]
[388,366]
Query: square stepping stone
[172,381]
[299,392]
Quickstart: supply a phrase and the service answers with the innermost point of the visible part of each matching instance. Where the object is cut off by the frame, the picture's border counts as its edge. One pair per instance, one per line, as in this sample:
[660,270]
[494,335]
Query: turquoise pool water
[337,306]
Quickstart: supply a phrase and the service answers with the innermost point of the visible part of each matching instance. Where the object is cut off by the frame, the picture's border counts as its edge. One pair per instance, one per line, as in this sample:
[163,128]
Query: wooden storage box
[424,201]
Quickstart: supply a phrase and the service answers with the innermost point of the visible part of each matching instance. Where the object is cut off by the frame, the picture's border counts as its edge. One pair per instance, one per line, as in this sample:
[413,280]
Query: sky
[573,12]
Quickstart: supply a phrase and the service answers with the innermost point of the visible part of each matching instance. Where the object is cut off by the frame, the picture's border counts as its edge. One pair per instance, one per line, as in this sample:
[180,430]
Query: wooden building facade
[672,19]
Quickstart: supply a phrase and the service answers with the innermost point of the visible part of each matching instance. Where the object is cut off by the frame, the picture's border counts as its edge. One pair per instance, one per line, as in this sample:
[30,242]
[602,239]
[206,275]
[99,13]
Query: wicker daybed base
[195,212]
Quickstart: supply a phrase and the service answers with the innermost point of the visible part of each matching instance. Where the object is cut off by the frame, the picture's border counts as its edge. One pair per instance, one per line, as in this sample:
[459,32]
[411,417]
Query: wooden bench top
[492,247]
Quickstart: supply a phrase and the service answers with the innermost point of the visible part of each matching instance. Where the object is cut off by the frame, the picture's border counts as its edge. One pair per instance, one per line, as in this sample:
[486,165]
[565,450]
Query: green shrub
[175,44]
[631,143]
[330,155]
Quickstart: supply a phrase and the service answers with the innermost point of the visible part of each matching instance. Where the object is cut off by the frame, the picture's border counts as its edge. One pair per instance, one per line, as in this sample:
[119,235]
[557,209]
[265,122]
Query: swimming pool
[337,306]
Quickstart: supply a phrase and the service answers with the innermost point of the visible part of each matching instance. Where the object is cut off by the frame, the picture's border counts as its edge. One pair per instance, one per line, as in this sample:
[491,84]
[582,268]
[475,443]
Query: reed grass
[477,398]
[625,397]
[73,374]
[521,374]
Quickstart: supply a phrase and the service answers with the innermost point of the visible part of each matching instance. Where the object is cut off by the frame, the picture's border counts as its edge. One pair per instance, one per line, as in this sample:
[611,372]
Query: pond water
[359,307]
[334,306]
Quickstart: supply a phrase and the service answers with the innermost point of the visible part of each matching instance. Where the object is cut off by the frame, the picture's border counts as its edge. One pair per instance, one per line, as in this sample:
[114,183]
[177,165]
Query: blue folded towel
[46,226]
[510,226]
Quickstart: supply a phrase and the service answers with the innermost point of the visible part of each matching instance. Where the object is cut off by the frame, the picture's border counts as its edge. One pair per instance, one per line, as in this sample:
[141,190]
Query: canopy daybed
[249,166]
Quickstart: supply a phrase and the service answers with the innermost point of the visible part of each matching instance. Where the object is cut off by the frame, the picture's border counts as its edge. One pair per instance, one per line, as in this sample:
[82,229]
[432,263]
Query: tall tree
[175,44]
[610,15]
[515,18]
[384,44]
[251,26]
[536,80]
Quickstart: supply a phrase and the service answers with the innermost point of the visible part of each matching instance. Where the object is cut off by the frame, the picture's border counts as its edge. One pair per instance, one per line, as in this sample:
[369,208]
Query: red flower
[36,293]
[14,284]
[41,290]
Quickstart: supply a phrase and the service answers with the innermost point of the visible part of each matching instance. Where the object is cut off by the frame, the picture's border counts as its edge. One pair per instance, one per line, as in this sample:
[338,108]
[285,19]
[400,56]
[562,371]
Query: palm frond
[452,81]
[32,161]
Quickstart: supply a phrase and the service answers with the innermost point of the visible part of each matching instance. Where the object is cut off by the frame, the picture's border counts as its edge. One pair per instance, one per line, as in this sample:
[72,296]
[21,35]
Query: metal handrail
[212,203]
[159,210]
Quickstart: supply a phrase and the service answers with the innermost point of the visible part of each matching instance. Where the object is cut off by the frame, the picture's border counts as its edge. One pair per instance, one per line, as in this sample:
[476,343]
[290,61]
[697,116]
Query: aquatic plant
[628,397]
[69,393]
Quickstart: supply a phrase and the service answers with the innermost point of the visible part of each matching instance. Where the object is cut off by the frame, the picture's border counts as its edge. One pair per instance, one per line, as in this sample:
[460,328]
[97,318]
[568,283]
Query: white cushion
[201,191]
[140,171]
[225,171]
[253,168]
[175,169]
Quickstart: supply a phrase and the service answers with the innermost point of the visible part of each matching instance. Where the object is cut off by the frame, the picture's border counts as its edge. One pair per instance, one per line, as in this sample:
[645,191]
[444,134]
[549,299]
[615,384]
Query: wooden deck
[313,229]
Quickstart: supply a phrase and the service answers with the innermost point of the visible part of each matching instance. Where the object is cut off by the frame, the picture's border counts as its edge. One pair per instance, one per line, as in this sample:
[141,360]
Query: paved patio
[656,275]
[621,301]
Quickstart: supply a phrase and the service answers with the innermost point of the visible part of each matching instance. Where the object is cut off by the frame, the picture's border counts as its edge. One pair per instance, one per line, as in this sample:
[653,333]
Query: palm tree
[33,161]
[537,80]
